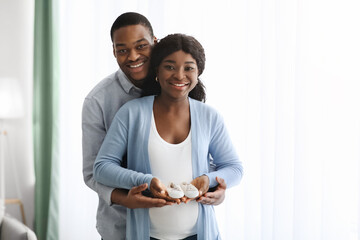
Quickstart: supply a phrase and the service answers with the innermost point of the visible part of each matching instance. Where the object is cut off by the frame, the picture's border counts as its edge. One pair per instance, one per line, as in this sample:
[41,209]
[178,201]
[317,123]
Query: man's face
[132,47]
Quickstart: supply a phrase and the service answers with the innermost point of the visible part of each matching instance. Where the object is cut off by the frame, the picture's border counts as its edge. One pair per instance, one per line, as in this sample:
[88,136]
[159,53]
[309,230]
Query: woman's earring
[156,79]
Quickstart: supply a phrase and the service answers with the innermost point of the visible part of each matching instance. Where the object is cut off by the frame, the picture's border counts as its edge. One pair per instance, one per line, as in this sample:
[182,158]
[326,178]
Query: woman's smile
[178,74]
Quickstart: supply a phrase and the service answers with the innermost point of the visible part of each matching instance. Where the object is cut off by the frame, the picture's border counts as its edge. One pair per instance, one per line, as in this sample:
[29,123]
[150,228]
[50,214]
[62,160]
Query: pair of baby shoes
[178,191]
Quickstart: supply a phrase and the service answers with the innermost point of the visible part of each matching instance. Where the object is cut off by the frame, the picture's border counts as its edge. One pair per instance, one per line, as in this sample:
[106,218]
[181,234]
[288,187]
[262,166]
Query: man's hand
[134,199]
[216,197]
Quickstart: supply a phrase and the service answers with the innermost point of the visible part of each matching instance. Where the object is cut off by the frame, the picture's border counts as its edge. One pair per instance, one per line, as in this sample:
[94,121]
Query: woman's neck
[172,119]
[171,105]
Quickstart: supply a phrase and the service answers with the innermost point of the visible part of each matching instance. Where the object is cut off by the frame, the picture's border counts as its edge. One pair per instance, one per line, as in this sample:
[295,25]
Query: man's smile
[136,65]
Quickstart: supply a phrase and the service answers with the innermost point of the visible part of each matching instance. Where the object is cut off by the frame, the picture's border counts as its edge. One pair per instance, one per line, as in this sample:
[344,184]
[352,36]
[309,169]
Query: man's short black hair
[128,19]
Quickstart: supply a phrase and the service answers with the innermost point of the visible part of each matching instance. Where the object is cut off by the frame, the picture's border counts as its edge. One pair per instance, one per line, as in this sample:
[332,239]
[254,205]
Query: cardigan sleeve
[107,167]
[221,148]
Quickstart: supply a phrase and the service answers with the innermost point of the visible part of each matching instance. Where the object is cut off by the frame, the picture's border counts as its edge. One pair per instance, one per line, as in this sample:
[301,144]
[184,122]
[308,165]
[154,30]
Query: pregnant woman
[169,136]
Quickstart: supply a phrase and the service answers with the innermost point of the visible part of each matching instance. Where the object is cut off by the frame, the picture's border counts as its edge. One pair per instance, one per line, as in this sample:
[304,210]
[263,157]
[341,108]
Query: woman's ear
[155,40]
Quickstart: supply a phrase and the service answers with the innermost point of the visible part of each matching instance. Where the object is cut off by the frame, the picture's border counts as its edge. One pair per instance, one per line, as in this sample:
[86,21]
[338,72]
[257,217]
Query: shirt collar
[126,83]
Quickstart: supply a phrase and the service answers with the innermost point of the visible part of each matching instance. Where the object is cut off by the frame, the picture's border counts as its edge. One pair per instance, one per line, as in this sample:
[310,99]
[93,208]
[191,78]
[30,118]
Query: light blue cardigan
[129,133]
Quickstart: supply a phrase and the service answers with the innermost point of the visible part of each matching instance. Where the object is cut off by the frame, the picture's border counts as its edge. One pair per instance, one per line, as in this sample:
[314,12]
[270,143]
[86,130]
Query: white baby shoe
[189,190]
[175,191]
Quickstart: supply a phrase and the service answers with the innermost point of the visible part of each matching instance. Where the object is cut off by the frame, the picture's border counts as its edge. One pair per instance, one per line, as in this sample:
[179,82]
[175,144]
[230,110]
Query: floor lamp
[11,107]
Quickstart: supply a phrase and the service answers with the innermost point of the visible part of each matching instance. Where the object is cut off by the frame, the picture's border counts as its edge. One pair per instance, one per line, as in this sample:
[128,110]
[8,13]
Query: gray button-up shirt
[99,109]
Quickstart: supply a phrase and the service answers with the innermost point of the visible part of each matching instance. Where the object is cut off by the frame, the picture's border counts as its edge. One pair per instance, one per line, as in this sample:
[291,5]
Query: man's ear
[113,50]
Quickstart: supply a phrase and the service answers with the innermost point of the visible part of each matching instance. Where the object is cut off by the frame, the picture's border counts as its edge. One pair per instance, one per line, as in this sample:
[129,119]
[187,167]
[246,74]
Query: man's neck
[137,83]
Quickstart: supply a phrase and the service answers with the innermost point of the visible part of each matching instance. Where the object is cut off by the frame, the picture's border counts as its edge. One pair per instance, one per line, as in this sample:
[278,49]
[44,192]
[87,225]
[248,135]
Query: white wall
[16,61]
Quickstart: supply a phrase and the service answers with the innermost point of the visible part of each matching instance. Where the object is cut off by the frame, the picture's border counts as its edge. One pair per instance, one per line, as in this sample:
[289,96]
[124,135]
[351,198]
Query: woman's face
[177,75]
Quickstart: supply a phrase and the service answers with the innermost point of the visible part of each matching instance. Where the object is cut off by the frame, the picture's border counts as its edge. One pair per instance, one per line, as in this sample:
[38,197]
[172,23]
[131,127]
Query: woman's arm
[107,167]
[226,160]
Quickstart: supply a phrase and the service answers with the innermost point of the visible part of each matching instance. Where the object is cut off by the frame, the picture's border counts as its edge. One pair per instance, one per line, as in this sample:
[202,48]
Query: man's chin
[137,81]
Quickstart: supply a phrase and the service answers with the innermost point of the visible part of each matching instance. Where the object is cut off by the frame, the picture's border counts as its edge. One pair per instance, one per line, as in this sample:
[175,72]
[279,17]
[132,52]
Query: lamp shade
[11,103]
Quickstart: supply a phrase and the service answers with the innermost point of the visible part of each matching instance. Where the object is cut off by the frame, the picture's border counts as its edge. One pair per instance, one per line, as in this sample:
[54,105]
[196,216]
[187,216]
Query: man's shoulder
[105,86]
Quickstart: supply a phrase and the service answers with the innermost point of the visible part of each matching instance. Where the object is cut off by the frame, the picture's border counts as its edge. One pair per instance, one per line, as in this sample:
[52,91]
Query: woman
[170,134]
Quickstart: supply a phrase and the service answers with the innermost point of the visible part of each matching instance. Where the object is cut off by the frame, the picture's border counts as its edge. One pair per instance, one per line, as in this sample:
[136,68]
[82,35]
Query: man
[133,38]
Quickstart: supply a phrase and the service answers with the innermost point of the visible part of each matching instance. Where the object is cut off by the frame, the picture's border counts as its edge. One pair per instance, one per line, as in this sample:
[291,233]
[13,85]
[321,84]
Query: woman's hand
[202,184]
[158,190]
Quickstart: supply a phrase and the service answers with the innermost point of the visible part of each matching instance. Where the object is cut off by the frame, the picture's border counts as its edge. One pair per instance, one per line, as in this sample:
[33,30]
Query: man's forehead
[125,43]
[132,34]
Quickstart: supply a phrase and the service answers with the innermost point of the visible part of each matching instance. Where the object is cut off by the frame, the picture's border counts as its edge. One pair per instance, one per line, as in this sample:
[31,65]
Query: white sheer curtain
[285,76]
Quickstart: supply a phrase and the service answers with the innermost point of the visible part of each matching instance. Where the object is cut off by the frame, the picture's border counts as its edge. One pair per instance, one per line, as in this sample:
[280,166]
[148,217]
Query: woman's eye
[189,68]
[169,67]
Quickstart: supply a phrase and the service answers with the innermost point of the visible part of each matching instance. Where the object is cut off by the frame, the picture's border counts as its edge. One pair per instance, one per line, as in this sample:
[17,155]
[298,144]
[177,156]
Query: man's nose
[133,55]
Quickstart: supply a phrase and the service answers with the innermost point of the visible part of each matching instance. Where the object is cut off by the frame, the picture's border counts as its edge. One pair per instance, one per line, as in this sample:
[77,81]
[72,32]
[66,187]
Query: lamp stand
[5,146]
[2,170]
[18,201]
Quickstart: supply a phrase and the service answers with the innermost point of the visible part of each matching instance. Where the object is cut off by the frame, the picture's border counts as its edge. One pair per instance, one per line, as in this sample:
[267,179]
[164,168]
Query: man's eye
[141,46]
[121,51]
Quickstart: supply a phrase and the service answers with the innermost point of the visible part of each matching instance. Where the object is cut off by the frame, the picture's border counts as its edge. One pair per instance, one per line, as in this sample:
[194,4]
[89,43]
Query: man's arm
[93,134]
[135,199]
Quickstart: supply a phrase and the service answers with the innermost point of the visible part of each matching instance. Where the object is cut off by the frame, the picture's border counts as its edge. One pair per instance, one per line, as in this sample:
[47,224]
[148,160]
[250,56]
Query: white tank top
[171,163]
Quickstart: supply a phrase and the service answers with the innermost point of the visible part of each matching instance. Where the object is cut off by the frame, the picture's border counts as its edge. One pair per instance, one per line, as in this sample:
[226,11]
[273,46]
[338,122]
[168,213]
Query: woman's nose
[180,74]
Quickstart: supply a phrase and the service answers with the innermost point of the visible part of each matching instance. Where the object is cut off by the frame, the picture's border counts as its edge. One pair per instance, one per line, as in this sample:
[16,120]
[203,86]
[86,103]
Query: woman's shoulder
[203,108]
[135,108]
[138,103]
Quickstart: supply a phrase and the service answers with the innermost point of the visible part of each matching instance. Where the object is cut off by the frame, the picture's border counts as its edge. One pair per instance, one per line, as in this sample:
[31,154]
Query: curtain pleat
[45,119]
